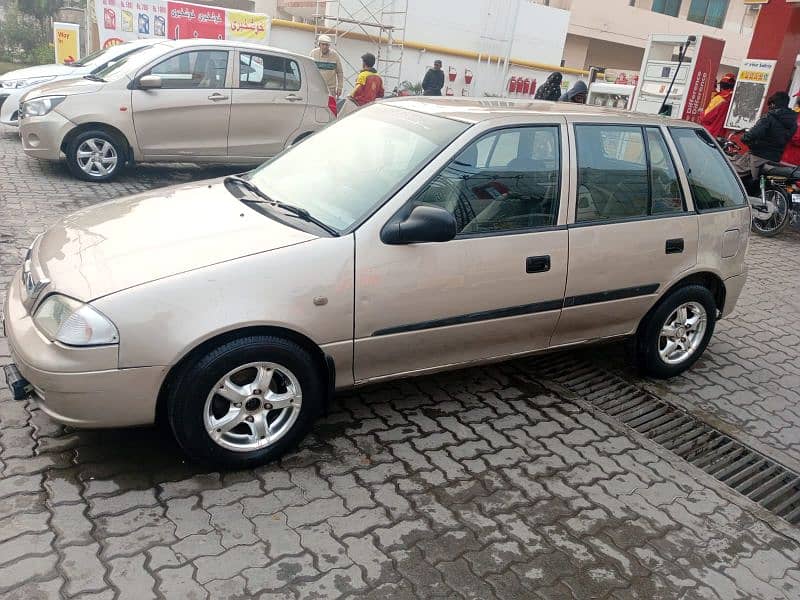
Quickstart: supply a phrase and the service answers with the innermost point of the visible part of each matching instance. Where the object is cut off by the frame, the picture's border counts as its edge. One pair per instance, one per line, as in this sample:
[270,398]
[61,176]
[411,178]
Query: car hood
[42,71]
[64,87]
[127,242]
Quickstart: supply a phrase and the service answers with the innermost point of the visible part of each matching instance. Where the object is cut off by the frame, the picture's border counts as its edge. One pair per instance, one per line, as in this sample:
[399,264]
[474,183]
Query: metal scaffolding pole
[382,22]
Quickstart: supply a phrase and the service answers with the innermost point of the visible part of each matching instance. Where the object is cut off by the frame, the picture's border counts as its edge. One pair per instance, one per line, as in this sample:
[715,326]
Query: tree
[41,10]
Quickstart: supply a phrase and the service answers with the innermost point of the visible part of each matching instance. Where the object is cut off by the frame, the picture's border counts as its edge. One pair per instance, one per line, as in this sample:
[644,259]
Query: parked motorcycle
[778,204]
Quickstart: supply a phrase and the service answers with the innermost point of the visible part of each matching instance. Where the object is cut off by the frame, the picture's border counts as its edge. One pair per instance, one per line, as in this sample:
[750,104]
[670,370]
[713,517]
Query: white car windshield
[341,174]
[130,63]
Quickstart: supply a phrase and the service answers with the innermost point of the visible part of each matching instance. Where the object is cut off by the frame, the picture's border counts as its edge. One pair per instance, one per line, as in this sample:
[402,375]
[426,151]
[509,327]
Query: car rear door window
[713,183]
[665,194]
[625,172]
[268,72]
[506,181]
[198,69]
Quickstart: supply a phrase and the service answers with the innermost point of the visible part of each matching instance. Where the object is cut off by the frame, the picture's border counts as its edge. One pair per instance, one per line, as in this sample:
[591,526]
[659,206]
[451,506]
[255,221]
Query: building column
[777,37]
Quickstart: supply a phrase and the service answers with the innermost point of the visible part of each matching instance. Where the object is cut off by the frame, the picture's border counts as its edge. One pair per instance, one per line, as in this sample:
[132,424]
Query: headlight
[23,83]
[41,106]
[74,323]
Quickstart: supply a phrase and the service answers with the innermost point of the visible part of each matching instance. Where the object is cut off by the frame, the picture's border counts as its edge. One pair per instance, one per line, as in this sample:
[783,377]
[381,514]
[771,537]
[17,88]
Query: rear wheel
[773,218]
[95,155]
[677,332]
[245,403]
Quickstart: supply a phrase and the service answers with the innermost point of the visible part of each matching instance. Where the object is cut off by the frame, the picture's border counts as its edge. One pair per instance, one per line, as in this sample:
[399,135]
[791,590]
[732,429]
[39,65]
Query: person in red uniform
[791,154]
[369,87]
[713,118]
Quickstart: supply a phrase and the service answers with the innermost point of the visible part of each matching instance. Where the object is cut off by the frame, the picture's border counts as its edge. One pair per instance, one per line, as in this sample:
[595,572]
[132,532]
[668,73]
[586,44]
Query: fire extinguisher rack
[383,21]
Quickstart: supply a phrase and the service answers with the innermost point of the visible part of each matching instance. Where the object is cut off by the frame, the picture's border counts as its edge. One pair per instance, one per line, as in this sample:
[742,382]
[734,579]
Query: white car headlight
[41,106]
[74,323]
[23,83]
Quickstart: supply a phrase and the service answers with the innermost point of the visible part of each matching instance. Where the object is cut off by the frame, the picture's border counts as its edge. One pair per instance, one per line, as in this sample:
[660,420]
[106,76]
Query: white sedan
[15,84]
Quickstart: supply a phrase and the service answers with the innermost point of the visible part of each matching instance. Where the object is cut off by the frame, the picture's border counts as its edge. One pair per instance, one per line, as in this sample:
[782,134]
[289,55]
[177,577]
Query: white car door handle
[217,96]
[294,98]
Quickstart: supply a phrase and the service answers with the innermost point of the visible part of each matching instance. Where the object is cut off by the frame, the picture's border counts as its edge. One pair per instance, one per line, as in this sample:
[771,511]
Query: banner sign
[121,21]
[66,42]
[701,87]
[748,97]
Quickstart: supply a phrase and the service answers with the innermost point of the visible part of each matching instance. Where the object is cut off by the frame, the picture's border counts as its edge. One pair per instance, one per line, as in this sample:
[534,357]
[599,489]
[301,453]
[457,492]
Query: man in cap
[713,118]
[433,82]
[329,64]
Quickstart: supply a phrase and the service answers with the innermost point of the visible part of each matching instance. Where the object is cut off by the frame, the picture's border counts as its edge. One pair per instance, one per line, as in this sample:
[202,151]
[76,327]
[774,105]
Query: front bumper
[733,289]
[9,105]
[81,387]
[42,136]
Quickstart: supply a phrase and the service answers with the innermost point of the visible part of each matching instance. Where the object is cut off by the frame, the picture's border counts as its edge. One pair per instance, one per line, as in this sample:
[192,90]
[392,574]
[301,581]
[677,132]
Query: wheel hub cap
[683,333]
[252,406]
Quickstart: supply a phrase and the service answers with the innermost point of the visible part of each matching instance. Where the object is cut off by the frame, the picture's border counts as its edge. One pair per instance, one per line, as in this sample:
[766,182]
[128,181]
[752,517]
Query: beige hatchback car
[204,101]
[414,236]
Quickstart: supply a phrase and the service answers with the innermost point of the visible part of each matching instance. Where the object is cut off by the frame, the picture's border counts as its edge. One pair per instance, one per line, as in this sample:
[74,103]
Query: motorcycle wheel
[778,220]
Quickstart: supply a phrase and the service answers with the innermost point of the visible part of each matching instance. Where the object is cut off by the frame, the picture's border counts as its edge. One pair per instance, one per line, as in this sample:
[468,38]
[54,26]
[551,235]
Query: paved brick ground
[476,484]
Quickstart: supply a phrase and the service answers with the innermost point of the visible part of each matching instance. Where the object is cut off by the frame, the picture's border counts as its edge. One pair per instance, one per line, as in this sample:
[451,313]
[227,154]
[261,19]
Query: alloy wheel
[683,333]
[97,157]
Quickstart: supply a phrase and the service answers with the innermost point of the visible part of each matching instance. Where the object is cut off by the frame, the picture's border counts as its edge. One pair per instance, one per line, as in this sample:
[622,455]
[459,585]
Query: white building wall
[479,26]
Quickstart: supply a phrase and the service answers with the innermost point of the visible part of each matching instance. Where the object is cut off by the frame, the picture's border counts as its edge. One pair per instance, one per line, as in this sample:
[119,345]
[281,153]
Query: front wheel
[95,155]
[245,403]
[770,219]
[676,333]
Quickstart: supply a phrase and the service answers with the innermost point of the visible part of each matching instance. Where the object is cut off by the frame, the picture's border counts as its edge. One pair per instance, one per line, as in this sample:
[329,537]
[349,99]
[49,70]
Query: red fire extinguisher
[533,87]
[451,73]
[526,86]
[468,76]
[448,91]
[512,85]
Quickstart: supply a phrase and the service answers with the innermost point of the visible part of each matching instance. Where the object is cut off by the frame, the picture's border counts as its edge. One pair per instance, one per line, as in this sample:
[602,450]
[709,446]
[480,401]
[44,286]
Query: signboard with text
[748,97]
[701,87]
[121,21]
[66,42]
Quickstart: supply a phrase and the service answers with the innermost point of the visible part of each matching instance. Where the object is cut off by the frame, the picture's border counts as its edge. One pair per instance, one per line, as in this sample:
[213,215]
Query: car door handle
[216,97]
[674,246]
[293,98]
[537,264]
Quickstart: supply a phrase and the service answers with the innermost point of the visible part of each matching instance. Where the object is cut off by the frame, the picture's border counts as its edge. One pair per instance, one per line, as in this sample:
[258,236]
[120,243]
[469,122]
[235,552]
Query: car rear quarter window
[713,183]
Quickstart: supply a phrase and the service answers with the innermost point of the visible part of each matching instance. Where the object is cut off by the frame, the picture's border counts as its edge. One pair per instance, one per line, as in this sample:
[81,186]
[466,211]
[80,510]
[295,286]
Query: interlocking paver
[468,484]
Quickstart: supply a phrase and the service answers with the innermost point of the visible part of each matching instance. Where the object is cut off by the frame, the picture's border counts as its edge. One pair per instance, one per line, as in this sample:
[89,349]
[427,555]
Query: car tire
[96,155]
[666,347]
[248,426]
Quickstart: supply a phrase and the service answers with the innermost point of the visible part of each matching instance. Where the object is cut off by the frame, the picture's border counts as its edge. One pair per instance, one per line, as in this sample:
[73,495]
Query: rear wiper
[301,213]
[93,77]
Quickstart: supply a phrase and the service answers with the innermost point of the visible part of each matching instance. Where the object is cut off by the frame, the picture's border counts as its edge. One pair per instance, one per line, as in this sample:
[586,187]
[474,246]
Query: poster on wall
[749,94]
[119,21]
[66,42]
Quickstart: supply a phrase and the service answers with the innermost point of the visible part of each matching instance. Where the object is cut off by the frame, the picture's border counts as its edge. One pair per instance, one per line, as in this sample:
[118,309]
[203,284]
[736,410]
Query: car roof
[232,44]
[475,110]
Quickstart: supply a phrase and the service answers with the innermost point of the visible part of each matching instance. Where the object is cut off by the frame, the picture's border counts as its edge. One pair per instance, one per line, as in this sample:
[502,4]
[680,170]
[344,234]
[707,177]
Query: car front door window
[507,181]
[199,69]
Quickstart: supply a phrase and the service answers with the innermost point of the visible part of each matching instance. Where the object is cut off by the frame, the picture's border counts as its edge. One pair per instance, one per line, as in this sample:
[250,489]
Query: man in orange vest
[713,118]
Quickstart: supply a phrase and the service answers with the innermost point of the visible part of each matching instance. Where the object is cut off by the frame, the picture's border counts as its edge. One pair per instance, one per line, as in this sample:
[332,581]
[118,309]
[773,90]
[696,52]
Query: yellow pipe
[433,48]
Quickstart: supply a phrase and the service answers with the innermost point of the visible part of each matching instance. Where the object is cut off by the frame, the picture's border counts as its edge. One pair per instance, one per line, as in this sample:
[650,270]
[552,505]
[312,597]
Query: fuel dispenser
[678,75]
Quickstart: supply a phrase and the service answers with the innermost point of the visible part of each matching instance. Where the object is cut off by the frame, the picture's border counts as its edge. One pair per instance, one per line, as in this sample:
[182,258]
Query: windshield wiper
[93,77]
[301,213]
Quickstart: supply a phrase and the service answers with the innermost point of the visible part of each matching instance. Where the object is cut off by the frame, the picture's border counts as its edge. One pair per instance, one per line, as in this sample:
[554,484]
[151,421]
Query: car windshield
[129,63]
[342,173]
[92,60]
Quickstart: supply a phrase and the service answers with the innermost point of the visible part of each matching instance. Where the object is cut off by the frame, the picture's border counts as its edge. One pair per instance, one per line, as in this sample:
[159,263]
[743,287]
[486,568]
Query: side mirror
[424,224]
[150,82]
